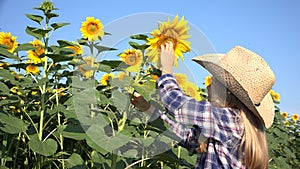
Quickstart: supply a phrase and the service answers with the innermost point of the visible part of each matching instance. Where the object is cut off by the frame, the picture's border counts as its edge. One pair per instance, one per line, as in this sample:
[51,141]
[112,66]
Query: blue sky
[270,28]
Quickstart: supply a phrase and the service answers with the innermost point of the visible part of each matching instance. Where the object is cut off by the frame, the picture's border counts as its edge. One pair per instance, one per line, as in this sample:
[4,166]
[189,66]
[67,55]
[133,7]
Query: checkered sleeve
[183,108]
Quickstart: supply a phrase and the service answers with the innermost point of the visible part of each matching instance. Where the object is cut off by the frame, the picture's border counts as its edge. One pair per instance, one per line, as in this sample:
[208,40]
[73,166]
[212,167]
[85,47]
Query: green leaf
[146,89]
[4,88]
[125,82]
[36,18]
[120,99]
[24,47]
[51,15]
[65,43]
[46,148]
[66,51]
[75,162]
[138,46]
[140,37]
[11,124]
[10,100]
[104,68]
[36,32]
[7,54]
[112,63]
[59,58]
[109,143]
[103,48]
[58,25]
[72,131]
[6,75]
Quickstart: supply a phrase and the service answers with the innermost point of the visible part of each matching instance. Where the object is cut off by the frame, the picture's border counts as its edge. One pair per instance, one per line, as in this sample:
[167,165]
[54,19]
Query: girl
[229,129]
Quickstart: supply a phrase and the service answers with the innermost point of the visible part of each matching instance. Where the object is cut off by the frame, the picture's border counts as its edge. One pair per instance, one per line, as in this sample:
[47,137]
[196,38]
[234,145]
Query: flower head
[192,90]
[181,79]
[207,80]
[133,58]
[39,47]
[287,123]
[32,69]
[285,114]
[92,29]
[276,97]
[105,79]
[85,69]
[295,117]
[176,32]
[6,39]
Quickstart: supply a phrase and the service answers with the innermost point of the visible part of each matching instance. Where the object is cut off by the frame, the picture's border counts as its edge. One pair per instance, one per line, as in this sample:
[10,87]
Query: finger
[162,47]
[170,46]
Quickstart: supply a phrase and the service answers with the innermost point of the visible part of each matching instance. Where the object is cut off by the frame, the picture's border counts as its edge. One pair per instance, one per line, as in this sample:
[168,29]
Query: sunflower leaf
[140,37]
[59,58]
[24,47]
[36,18]
[138,46]
[5,53]
[36,32]
[64,43]
[103,48]
[51,15]
[112,63]
[58,25]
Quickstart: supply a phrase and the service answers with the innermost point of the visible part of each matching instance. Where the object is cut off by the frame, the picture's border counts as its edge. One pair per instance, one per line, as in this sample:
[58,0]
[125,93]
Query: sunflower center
[9,43]
[131,60]
[92,28]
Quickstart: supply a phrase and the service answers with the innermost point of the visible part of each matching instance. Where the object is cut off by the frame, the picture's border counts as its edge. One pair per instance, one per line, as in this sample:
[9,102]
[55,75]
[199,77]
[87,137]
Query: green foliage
[62,118]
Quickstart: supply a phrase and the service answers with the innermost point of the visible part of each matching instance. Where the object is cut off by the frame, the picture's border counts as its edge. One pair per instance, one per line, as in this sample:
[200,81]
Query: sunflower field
[62,109]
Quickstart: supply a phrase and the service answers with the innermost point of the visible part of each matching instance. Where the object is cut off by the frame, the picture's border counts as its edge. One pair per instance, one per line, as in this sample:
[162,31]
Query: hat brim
[211,62]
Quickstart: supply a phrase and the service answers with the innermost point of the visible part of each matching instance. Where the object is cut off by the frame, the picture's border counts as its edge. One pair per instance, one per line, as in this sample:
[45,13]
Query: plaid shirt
[223,126]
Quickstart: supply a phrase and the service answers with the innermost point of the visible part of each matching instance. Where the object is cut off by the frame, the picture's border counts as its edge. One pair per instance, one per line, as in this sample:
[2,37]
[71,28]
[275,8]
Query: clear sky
[270,28]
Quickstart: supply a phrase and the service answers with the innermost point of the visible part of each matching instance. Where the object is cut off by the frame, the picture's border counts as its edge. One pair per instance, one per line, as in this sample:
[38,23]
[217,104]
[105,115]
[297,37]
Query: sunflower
[295,117]
[272,92]
[285,115]
[15,90]
[276,97]
[207,80]
[287,123]
[133,58]
[92,29]
[85,69]
[6,39]
[192,90]
[15,109]
[105,79]
[34,57]
[176,32]
[39,46]
[181,79]
[77,48]
[32,69]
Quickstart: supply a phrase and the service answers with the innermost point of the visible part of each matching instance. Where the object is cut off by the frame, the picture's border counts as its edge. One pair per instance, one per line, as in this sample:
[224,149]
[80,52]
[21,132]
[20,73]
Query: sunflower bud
[47,6]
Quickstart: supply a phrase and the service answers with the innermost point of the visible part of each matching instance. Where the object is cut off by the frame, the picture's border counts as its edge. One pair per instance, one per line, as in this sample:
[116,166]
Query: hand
[167,58]
[139,101]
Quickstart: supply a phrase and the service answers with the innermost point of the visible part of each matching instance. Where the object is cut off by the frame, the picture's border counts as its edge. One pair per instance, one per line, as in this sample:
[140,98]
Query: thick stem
[44,86]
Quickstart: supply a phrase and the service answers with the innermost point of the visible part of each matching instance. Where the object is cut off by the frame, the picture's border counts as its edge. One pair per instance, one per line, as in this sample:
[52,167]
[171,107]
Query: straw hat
[247,76]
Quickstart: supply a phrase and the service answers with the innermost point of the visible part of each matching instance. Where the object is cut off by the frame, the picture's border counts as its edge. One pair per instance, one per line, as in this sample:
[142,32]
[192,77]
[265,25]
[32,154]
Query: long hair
[254,144]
